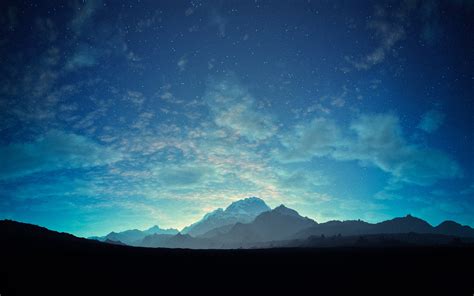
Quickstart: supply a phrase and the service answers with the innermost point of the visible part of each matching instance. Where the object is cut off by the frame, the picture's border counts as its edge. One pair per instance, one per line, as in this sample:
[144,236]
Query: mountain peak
[449,223]
[250,205]
[281,209]
[213,214]
[404,225]
[154,228]
[158,230]
[453,228]
[410,218]
[244,211]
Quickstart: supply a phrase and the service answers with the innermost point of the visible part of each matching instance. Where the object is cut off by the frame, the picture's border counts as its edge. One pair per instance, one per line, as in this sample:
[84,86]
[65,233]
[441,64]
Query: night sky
[118,115]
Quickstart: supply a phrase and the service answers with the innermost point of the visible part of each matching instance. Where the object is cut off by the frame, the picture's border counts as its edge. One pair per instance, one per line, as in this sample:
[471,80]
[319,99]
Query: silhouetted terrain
[284,227]
[36,261]
[250,223]
[134,236]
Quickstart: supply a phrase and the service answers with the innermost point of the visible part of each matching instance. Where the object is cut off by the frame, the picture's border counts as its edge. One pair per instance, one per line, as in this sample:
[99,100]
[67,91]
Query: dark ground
[41,262]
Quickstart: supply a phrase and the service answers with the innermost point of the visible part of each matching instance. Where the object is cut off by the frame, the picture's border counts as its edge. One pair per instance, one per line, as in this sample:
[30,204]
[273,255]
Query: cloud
[178,176]
[234,108]
[320,137]
[83,57]
[143,120]
[219,21]
[135,97]
[54,151]
[380,142]
[431,121]
[389,35]
[301,179]
[372,139]
[389,28]
[189,11]
[84,13]
[182,62]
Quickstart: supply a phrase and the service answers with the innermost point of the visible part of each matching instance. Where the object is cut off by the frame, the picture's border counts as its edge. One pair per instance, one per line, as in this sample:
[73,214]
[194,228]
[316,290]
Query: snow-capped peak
[251,205]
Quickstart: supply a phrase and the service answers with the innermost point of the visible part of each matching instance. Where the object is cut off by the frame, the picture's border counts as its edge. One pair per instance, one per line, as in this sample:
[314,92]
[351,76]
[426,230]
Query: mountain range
[134,236]
[251,223]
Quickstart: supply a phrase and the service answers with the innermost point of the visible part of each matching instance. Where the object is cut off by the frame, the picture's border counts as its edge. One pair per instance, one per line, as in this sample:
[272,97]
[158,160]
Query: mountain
[278,224]
[134,236]
[453,228]
[217,231]
[108,241]
[241,211]
[331,228]
[154,240]
[407,224]
[403,225]
[274,225]
[22,236]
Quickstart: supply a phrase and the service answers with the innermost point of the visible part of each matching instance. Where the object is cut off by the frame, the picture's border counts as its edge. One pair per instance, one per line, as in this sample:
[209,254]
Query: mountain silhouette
[331,228]
[405,224]
[134,237]
[453,228]
[109,241]
[242,211]
[277,224]
[282,227]
[154,240]
[249,223]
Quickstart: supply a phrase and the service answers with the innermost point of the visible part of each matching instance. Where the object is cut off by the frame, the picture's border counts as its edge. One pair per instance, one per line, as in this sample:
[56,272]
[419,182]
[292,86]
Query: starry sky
[125,114]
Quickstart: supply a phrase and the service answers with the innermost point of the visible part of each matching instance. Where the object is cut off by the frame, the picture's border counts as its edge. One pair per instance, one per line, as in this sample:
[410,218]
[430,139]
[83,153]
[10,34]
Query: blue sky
[118,115]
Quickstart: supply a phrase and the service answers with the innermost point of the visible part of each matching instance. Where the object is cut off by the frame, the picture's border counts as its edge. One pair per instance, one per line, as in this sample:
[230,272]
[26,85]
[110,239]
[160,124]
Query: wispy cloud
[374,139]
[56,150]
[84,13]
[218,20]
[234,108]
[83,57]
[136,98]
[319,137]
[431,121]
[182,62]
[389,27]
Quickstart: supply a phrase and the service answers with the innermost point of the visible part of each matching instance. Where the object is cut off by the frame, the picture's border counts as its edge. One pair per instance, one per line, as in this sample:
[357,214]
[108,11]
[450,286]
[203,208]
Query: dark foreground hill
[36,261]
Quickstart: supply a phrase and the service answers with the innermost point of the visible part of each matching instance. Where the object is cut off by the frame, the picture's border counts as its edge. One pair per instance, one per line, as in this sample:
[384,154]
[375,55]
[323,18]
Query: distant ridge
[407,224]
[134,236]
